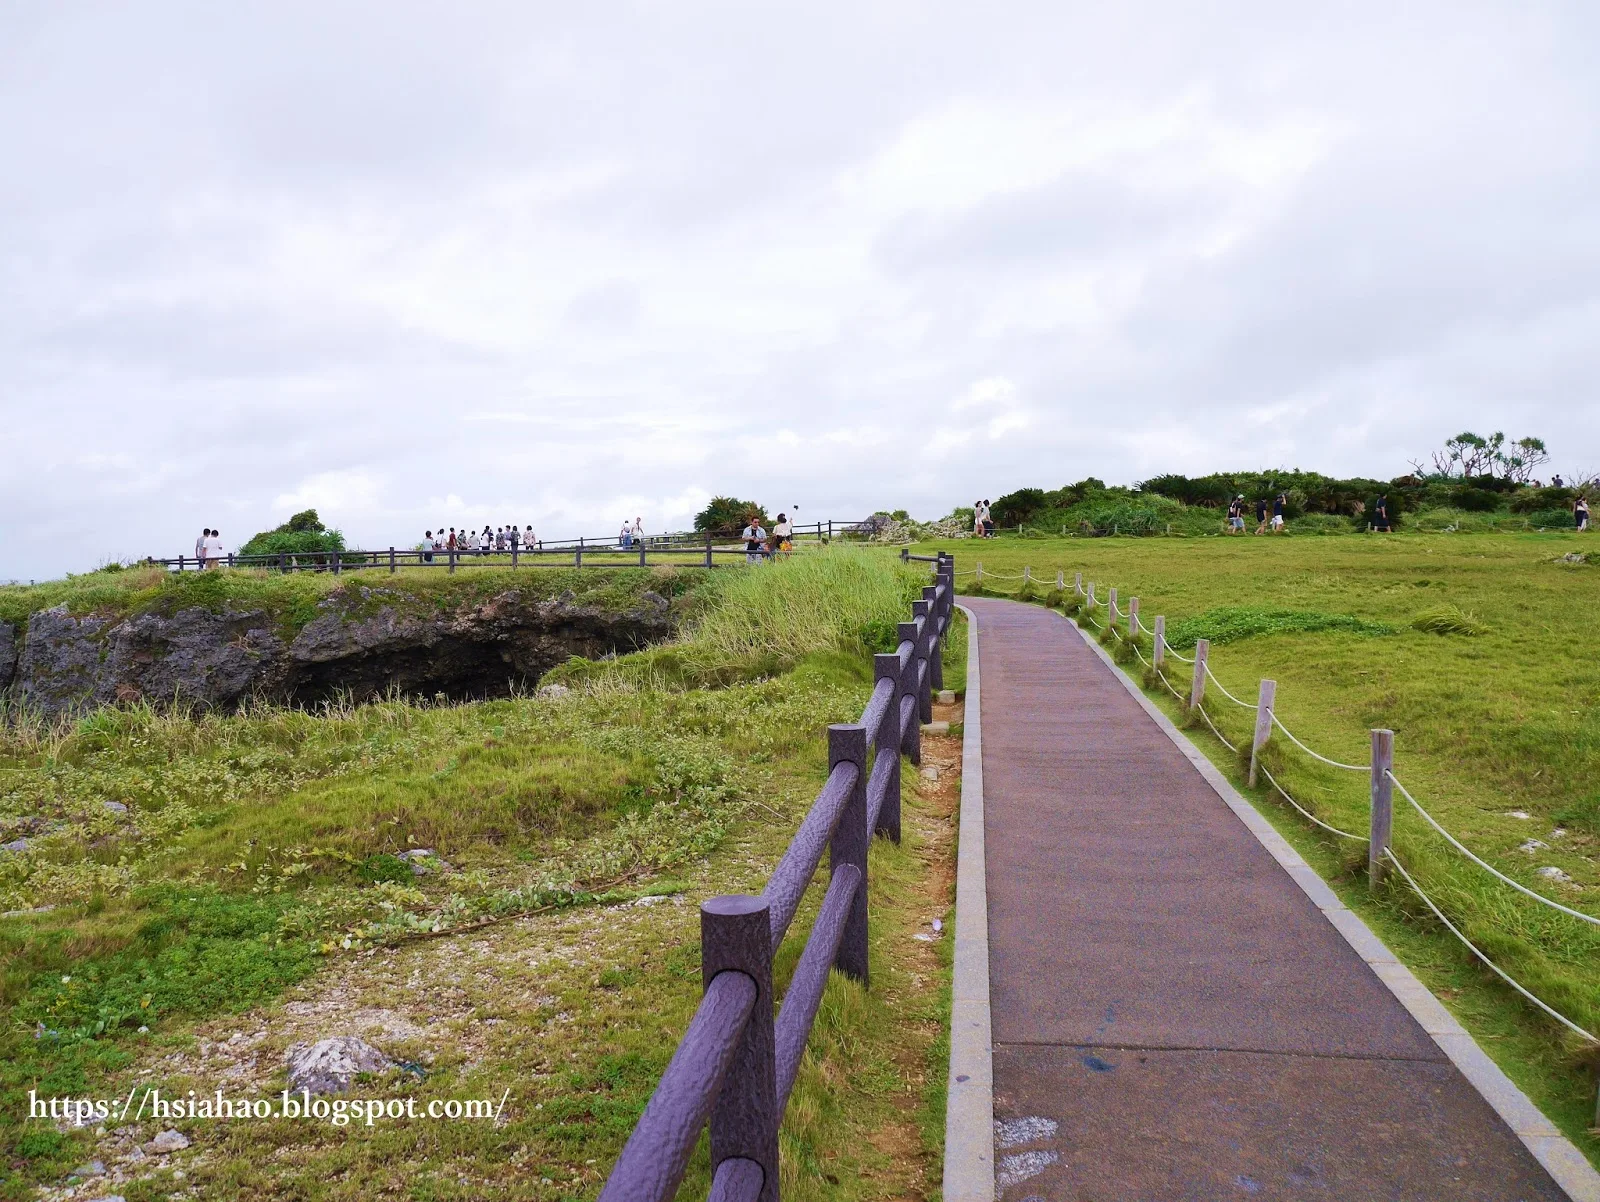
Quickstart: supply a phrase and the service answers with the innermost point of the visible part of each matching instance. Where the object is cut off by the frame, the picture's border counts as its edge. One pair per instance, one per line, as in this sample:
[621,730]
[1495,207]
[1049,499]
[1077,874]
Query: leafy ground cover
[196,883]
[1489,677]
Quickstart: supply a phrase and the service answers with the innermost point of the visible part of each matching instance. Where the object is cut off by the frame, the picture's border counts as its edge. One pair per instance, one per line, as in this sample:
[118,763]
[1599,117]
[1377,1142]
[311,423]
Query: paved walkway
[1166,995]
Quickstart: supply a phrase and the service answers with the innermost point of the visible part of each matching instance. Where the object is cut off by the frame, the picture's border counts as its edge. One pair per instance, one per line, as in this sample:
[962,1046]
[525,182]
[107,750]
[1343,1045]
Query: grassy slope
[247,864]
[1485,725]
[291,600]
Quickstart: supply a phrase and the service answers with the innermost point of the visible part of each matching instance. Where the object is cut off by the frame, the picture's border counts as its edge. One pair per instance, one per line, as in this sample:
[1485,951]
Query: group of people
[982,521]
[501,540]
[1276,524]
[631,533]
[208,549]
[759,544]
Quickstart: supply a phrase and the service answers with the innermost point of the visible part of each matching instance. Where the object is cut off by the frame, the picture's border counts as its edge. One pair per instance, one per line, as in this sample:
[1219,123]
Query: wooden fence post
[1382,825]
[1197,689]
[180,563]
[736,936]
[577,555]
[1160,637]
[391,561]
[1077,583]
[921,656]
[230,559]
[708,550]
[1061,580]
[848,741]
[906,632]
[930,594]
[641,554]
[978,576]
[1027,575]
[452,555]
[515,547]
[1264,700]
[1111,606]
[886,741]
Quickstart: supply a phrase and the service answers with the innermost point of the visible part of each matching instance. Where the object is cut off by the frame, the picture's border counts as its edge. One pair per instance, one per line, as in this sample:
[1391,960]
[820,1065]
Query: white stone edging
[1553,1150]
[969,1100]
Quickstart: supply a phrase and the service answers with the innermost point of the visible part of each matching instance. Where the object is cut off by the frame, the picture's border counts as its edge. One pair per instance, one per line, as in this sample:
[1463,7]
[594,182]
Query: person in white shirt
[782,535]
[753,536]
[638,530]
[529,543]
[625,537]
[214,551]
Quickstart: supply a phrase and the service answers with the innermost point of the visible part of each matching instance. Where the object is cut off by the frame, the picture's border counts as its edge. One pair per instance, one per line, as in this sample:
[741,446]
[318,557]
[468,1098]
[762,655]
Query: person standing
[638,530]
[783,535]
[214,551]
[754,537]
[511,537]
[528,541]
[200,547]
[1261,515]
[427,546]
[1236,515]
[1280,505]
[1380,514]
[625,535]
[1580,511]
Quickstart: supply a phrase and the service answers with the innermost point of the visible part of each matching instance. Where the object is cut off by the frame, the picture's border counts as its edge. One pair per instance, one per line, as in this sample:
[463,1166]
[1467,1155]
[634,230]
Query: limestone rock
[8,653]
[330,1065]
[168,1141]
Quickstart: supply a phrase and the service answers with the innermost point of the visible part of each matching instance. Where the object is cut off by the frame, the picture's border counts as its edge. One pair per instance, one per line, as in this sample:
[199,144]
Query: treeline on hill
[1177,504]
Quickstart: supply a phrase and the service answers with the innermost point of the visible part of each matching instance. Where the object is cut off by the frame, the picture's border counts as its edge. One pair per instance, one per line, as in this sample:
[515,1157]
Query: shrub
[1475,500]
[1533,500]
[726,516]
[303,534]
[1552,519]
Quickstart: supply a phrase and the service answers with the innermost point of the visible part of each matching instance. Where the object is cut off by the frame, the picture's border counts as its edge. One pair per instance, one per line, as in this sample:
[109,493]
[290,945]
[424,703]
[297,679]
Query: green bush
[384,867]
[1532,500]
[303,534]
[1552,519]
[1230,623]
[1474,500]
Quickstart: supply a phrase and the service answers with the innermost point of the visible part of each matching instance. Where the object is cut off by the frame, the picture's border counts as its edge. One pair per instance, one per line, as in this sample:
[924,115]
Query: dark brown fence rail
[737,1062]
[682,548]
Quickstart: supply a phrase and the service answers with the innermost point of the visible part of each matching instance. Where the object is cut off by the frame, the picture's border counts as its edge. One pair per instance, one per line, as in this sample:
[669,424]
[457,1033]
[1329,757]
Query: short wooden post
[978,576]
[1027,574]
[391,561]
[230,559]
[1061,579]
[1133,617]
[1160,638]
[736,936]
[641,553]
[708,550]
[1197,689]
[922,655]
[1264,700]
[848,742]
[1382,825]
[906,632]
[180,563]
[452,556]
[515,548]
[1077,583]
[886,741]
[577,555]
[283,562]
[1111,605]
[1088,595]
[930,594]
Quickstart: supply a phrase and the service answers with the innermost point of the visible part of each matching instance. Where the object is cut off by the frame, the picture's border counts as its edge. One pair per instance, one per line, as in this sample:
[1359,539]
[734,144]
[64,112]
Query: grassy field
[1479,652]
[215,887]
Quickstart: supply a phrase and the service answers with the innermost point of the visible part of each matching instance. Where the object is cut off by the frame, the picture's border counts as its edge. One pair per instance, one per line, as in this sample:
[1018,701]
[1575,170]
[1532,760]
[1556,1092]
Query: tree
[726,516]
[1525,455]
[1468,455]
[303,534]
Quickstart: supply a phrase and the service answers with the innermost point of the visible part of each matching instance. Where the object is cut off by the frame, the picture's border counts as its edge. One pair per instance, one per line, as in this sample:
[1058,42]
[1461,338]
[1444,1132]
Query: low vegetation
[182,868]
[1477,651]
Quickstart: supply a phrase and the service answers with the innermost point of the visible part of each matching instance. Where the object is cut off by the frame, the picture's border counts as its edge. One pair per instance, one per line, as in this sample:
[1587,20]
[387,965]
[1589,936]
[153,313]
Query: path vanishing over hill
[1173,1016]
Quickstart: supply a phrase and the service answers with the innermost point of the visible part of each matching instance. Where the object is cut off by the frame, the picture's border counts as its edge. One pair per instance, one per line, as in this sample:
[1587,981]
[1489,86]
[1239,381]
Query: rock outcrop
[363,644]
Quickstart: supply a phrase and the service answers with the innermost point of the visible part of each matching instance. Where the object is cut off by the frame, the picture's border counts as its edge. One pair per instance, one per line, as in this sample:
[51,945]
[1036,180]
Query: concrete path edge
[969,1099]
[1553,1150]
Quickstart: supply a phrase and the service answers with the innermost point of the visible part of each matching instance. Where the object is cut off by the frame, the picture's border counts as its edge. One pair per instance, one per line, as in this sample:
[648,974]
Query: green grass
[259,852]
[1500,722]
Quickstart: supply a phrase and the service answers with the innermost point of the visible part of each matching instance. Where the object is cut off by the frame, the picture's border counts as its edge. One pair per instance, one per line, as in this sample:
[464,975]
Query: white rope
[1471,947]
[1305,812]
[1172,651]
[1143,627]
[1313,754]
[1214,729]
[1459,846]
[1097,625]
[1227,694]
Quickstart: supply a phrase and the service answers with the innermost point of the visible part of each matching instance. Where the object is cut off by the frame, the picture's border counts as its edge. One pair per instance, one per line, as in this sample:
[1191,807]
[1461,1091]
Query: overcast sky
[568,264]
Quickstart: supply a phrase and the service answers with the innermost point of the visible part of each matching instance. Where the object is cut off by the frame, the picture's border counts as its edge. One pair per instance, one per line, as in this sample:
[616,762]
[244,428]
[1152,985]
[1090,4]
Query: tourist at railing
[214,552]
[755,538]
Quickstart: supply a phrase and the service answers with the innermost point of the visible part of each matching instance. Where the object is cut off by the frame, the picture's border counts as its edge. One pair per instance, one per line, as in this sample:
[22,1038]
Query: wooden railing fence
[737,1062]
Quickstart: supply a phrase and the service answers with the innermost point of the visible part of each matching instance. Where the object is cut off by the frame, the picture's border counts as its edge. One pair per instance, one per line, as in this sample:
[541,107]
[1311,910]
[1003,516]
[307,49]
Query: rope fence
[1381,855]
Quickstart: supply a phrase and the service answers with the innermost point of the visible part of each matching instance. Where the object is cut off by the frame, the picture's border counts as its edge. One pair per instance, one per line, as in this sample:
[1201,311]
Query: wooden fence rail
[737,1063]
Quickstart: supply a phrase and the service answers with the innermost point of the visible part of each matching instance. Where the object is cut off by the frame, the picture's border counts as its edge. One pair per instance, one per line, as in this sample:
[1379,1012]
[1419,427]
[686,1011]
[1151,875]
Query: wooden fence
[737,1062]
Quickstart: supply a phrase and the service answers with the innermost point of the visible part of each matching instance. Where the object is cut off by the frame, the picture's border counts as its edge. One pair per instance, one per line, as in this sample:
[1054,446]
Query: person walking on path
[1580,512]
[214,551]
[1236,515]
[1280,504]
[754,539]
[1261,515]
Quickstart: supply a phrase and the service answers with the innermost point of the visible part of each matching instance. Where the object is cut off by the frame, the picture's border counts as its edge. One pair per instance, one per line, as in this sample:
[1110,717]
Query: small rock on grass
[116,807]
[552,692]
[424,860]
[168,1141]
[1551,873]
[95,1168]
[947,696]
[330,1065]
[936,728]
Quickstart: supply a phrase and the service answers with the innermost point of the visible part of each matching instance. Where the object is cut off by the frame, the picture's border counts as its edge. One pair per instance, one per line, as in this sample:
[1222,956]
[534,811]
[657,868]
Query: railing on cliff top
[552,553]
[737,1063]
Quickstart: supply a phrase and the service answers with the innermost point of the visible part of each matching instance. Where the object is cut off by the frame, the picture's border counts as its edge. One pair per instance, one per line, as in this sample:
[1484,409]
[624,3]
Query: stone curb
[1553,1150]
[969,1108]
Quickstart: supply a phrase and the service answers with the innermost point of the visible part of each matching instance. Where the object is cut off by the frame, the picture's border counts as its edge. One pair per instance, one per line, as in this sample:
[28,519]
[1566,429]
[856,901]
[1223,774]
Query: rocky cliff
[362,643]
